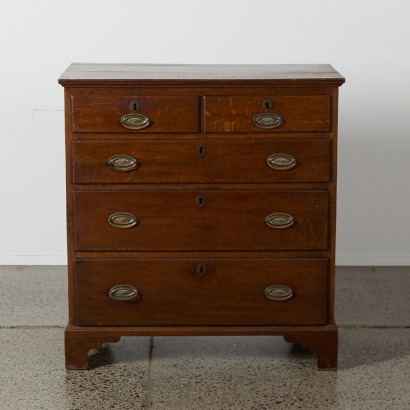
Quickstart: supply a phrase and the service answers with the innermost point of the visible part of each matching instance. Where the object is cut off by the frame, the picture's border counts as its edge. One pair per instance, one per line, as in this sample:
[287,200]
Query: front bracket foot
[323,342]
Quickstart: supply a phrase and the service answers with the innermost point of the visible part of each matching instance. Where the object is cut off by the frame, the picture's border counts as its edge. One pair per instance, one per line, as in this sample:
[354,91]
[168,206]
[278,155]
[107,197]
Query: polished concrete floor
[216,373]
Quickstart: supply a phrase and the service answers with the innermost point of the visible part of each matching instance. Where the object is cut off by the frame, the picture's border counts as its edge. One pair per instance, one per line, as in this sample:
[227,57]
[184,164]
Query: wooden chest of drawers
[201,201]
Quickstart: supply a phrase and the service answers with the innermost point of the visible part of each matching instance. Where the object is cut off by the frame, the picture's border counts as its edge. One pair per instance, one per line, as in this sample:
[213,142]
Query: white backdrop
[368,41]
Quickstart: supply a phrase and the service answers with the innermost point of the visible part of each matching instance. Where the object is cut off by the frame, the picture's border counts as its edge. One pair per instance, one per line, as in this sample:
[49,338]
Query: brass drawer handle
[135,121]
[267,120]
[123,292]
[278,292]
[281,162]
[279,220]
[122,220]
[123,162]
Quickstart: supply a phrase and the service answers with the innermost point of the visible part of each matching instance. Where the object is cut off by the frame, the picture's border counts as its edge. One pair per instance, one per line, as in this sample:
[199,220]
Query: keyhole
[200,201]
[267,105]
[133,106]
[200,150]
[201,269]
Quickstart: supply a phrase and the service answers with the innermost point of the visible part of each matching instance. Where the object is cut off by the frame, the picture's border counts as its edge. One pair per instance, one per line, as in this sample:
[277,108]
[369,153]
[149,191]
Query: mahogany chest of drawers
[201,201]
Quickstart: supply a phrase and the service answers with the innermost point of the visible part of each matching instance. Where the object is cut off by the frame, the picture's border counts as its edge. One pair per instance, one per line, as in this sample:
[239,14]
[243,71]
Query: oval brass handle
[279,220]
[123,220]
[281,162]
[278,292]
[267,120]
[123,162]
[135,121]
[123,292]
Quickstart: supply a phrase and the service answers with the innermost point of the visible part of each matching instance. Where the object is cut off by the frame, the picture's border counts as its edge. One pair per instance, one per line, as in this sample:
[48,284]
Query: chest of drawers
[201,201]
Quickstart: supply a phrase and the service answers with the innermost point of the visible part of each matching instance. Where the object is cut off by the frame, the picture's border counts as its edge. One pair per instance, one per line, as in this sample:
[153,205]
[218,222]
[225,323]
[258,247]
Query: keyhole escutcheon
[200,201]
[201,270]
[267,105]
[134,106]
[200,150]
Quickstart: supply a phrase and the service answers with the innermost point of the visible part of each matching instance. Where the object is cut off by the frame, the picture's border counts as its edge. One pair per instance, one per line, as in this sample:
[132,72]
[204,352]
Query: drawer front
[267,113]
[217,161]
[201,220]
[98,113]
[201,292]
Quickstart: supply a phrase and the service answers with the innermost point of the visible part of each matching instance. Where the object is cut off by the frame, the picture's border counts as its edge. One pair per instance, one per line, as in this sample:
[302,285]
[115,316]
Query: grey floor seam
[147,396]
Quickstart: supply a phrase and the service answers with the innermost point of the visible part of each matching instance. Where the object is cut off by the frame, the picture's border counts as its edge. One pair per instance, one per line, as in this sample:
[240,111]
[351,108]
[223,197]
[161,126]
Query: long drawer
[201,220]
[201,291]
[219,161]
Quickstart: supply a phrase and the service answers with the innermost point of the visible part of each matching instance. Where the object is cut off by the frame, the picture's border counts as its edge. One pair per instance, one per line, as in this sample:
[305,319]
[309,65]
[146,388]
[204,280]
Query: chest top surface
[125,74]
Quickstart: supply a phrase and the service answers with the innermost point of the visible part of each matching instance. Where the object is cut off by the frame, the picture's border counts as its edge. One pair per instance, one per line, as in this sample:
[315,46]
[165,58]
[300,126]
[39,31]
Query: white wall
[368,41]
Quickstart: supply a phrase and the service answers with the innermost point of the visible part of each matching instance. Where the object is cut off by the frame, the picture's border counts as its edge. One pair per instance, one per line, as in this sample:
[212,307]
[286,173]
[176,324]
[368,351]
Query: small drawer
[294,113]
[200,220]
[201,291]
[201,161]
[135,114]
